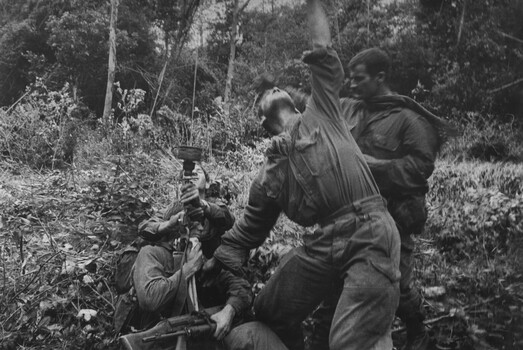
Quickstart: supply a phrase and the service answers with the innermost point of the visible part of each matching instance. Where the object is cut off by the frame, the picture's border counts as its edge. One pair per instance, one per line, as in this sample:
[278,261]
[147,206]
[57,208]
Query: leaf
[46,305]
[25,221]
[68,266]
[88,279]
[87,314]
[54,328]
[434,292]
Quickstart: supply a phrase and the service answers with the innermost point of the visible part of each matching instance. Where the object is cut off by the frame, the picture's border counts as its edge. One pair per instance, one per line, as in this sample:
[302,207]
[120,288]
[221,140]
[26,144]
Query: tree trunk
[461,22]
[232,52]
[112,63]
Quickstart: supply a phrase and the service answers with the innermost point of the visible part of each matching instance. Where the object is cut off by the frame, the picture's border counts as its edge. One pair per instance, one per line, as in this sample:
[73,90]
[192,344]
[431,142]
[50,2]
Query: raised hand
[190,195]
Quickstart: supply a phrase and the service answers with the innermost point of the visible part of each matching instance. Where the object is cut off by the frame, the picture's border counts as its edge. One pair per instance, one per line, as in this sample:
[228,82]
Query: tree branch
[461,22]
[506,86]
[505,35]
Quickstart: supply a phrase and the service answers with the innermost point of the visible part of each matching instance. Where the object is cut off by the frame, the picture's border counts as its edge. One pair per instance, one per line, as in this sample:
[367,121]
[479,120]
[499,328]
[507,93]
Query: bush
[487,138]
[40,131]
[476,208]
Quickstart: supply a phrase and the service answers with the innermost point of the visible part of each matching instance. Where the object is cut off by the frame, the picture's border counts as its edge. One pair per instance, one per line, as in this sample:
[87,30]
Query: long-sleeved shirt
[157,272]
[404,141]
[156,279]
[311,170]
[218,219]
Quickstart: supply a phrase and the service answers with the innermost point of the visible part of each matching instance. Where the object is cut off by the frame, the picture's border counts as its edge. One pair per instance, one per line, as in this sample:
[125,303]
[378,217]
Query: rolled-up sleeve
[149,228]
[250,231]
[237,290]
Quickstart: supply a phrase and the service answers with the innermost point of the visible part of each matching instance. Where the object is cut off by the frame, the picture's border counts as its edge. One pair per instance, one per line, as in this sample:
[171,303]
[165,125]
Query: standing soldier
[400,141]
[315,173]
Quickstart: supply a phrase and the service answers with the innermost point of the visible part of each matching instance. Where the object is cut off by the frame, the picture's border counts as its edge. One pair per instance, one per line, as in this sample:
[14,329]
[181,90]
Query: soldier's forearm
[318,24]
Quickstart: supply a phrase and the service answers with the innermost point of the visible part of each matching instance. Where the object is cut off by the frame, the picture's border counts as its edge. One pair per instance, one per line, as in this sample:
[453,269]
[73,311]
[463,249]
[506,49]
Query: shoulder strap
[180,298]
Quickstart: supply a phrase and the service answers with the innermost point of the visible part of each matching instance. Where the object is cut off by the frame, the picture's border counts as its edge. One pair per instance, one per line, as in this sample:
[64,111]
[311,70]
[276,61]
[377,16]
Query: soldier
[315,173]
[160,280]
[400,141]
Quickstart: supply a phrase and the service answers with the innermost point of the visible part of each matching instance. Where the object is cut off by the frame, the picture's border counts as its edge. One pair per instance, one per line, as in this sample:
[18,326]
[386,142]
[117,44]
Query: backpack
[123,275]
[126,307]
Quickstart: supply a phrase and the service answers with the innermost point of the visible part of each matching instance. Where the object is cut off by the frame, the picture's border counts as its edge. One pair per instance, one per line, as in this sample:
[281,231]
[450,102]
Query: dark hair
[261,84]
[270,111]
[374,59]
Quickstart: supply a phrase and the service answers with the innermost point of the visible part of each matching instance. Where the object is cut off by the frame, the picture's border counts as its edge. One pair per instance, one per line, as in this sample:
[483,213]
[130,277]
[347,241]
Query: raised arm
[327,71]
[318,24]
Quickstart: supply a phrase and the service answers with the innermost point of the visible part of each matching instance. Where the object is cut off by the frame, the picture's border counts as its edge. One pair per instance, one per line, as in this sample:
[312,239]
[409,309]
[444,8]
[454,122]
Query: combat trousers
[358,247]
[246,336]
[410,309]
[252,336]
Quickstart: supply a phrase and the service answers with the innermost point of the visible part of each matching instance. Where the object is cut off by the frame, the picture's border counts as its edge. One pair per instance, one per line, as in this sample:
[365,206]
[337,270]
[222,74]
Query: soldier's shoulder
[218,201]
[409,115]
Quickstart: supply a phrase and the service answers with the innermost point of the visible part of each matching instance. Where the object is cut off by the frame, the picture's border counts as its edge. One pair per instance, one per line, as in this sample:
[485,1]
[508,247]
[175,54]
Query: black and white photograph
[261,174]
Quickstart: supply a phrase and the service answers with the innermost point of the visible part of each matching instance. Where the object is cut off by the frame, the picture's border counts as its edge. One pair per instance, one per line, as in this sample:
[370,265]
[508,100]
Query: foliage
[66,42]
[175,18]
[477,210]
[16,40]
[486,137]
[40,131]
[270,40]
[481,61]
[61,236]
[59,272]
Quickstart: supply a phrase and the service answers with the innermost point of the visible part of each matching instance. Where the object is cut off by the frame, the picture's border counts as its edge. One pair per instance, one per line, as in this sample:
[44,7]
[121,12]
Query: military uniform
[160,287]
[404,138]
[315,174]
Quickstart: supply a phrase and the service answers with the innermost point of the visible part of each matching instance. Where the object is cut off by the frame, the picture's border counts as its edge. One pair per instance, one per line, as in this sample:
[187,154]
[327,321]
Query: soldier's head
[276,108]
[368,74]
[203,177]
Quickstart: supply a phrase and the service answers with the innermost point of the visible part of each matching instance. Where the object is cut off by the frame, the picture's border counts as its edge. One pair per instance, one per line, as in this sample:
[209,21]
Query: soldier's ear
[381,77]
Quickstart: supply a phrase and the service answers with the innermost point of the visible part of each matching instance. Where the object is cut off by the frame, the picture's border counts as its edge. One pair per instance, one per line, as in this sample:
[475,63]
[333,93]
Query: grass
[61,231]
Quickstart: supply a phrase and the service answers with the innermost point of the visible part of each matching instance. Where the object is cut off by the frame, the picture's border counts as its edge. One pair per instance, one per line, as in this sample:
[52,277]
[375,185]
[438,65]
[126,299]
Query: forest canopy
[185,68]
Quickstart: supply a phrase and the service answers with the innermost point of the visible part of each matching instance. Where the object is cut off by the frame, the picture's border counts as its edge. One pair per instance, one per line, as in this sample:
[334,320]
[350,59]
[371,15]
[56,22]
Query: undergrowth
[61,231]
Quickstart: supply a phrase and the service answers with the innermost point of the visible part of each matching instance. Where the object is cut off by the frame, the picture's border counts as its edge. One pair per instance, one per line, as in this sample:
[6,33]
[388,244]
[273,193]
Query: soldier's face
[272,101]
[201,181]
[363,85]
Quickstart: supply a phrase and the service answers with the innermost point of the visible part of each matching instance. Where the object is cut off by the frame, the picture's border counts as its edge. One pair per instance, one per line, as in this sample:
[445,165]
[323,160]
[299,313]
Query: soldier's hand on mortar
[190,195]
[172,223]
[223,321]
[194,261]
[195,214]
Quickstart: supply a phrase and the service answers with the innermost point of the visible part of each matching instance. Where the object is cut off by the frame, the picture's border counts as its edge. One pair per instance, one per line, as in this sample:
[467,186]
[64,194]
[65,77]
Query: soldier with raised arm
[315,173]
[400,140]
